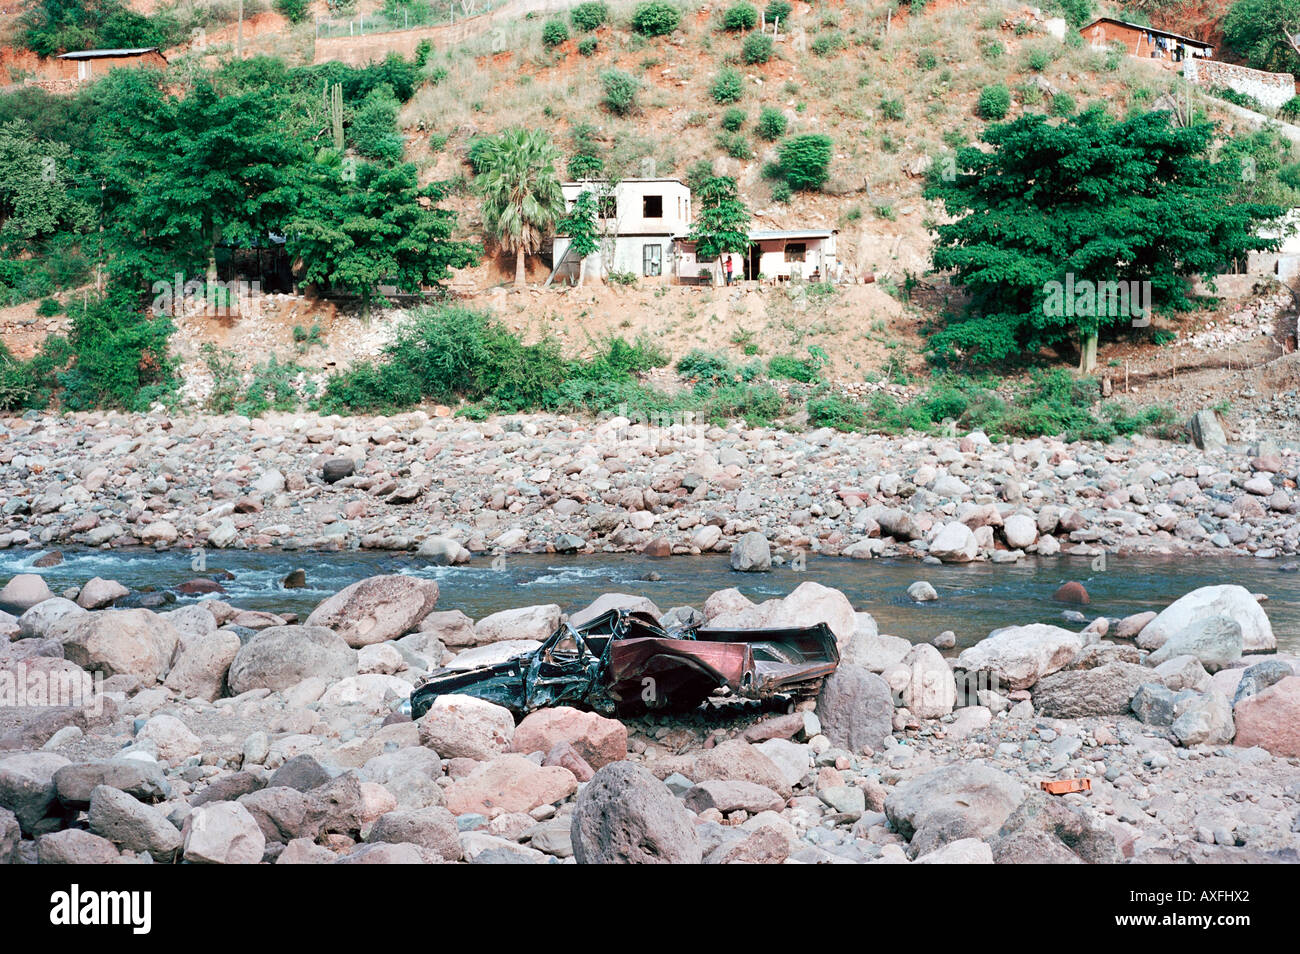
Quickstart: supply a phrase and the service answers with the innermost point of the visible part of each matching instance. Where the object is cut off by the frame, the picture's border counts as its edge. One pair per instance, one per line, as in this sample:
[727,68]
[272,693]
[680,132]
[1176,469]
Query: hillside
[896,90]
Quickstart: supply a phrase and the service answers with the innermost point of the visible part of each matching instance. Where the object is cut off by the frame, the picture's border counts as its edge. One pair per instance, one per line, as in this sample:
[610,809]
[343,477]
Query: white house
[774,255]
[638,219]
[1284,263]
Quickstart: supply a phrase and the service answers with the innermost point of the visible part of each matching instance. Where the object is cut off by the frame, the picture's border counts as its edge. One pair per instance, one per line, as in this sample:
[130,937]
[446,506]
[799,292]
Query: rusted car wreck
[624,661]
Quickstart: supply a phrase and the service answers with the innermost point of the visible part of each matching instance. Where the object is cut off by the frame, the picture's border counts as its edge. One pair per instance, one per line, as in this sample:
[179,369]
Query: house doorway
[752,262]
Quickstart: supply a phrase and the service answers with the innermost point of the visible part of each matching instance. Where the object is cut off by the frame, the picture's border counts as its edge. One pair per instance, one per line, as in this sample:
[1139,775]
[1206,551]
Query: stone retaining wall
[1273,90]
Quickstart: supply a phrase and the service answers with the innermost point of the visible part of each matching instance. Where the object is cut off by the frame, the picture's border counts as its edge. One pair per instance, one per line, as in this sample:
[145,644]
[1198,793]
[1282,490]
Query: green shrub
[587,46]
[295,11]
[48,308]
[620,91]
[728,86]
[781,193]
[554,33]
[927,60]
[119,357]
[655,18]
[805,161]
[827,43]
[994,102]
[757,404]
[756,49]
[771,124]
[588,16]
[740,16]
[891,107]
[735,145]
[804,370]
[1291,108]
[1063,105]
[777,10]
[1037,60]
[992,49]
[831,410]
[733,119]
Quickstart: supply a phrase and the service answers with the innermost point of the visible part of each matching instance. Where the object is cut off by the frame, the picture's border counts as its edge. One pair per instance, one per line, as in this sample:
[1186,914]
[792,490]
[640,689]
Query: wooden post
[239,33]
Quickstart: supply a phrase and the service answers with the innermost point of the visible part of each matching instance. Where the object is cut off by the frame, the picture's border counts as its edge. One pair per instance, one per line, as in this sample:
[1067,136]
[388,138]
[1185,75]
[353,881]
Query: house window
[652,260]
[795,251]
[608,207]
[652,207]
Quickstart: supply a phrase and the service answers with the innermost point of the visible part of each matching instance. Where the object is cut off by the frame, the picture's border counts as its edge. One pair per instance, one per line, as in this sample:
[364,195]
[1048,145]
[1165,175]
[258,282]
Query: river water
[974,599]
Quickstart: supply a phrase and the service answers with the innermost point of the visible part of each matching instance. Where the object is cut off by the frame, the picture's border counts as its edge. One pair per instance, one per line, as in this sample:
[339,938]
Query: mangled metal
[625,661]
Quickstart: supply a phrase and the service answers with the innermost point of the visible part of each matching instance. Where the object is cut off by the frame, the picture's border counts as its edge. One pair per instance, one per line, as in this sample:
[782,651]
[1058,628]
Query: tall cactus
[332,97]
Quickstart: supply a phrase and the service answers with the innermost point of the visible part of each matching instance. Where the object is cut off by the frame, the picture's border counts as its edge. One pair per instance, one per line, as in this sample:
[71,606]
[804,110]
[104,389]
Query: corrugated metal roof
[1147,29]
[768,234]
[99,54]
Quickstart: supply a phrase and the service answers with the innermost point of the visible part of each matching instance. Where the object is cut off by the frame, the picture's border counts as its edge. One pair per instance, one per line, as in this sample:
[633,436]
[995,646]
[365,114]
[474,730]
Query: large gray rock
[140,779]
[11,835]
[376,609]
[98,593]
[950,803]
[222,833]
[1234,602]
[132,825]
[738,761]
[1206,431]
[751,553]
[432,828]
[1018,656]
[1214,640]
[442,551]
[1078,693]
[127,642]
[27,787]
[523,622]
[200,670]
[856,708]
[411,774]
[466,727]
[1207,720]
[954,543]
[923,682]
[23,592]
[1154,704]
[284,813]
[625,815]
[282,656]
[1041,817]
[75,846]
[43,618]
[1260,676]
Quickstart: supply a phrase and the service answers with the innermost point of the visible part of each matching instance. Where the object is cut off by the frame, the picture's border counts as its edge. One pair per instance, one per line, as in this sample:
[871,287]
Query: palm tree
[521,192]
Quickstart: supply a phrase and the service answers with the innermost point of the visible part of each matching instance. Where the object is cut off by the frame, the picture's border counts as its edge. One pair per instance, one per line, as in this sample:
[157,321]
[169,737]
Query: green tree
[359,226]
[1049,206]
[36,200]
[1264,31]
[721,219]
[183,175]
[521,192]
[581,226]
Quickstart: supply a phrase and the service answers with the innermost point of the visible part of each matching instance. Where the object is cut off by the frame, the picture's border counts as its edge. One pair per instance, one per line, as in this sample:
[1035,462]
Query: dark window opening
[795,251]
[608,207]
[652,207]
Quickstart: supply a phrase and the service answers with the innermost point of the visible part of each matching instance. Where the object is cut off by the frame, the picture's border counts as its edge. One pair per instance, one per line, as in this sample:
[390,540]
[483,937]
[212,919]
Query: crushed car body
[625,660]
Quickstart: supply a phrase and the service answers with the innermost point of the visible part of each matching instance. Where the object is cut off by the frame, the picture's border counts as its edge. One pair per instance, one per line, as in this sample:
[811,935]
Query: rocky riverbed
[449,488]
[223,735]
